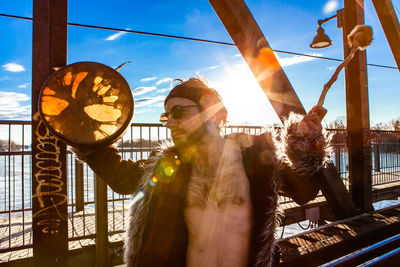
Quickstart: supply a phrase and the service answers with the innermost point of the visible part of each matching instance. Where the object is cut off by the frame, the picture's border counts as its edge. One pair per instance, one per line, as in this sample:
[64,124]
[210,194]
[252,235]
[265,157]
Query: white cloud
[11,108]
[25,85]
[238,55]
[287,61]
[163,90]
[13,67]
[148,79]
[241,65]
[148,101]
[160,104]
[143,110]
[212,67]
[330,6]
[163,81]
[115,36]
[143,90]
[7,97]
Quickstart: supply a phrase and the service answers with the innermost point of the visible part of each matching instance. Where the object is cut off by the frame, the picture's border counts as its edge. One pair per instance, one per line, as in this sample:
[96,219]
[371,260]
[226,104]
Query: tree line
[5,145]
[340,123]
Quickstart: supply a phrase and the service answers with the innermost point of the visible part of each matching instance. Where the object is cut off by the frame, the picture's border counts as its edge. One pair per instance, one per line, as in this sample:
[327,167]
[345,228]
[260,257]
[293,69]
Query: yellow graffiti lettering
[49,181]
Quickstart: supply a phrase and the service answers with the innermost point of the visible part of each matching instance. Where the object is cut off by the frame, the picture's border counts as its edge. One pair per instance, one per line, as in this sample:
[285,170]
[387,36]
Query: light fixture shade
[321,40]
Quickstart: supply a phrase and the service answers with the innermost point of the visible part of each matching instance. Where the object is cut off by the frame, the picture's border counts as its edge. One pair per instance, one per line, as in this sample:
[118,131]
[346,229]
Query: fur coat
[286,163]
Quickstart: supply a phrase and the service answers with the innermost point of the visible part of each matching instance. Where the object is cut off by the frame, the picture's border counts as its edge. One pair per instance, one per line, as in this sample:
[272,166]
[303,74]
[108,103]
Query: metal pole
[357,109]
[377,160]
[337,157]
[101,257]
[49,180]
[79,188]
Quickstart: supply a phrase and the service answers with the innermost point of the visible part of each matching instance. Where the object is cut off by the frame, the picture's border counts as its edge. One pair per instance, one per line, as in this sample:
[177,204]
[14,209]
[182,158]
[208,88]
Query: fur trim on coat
[140,205]
[304,156]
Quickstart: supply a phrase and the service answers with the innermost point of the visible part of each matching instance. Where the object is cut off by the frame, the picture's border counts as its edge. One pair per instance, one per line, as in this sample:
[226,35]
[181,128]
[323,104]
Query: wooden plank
[293,212]
[338,238]
[390,25]
[357,111]
[386,191]
[336,193]
[90,223]
[256,51]
[49,182]
[76,225]
[4,228]
[320,235]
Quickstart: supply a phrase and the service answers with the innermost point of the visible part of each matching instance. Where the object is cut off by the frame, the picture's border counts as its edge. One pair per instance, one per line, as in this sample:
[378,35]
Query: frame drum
[86,104]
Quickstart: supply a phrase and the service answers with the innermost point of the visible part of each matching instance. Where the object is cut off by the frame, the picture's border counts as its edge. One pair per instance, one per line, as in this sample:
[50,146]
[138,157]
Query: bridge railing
[138,142]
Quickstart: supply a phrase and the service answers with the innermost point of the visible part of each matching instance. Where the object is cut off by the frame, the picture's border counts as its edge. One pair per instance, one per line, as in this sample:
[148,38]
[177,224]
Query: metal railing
[138,142]
[385,155]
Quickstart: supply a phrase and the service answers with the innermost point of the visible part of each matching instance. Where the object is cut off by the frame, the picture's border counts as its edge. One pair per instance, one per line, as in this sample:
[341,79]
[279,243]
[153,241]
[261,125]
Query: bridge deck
[82,231]
[331,241]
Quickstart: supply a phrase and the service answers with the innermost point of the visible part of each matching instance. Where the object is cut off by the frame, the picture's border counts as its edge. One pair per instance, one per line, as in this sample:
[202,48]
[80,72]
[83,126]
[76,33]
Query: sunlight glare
[330,6]
[243,97]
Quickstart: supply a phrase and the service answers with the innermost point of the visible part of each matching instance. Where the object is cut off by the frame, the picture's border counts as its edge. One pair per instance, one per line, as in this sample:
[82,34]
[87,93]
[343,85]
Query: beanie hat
[197,91]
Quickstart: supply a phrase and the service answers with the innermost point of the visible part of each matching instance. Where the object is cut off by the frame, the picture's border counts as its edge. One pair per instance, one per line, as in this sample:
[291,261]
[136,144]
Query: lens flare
[169,171]
[268,59]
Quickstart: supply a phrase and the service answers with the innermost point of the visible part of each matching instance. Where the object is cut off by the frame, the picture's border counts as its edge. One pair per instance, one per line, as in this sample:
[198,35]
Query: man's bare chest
[224,201]
[225,184]
[218,214]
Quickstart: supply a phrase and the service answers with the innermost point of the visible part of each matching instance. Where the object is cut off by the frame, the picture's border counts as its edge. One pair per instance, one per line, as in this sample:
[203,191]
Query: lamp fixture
[321,40]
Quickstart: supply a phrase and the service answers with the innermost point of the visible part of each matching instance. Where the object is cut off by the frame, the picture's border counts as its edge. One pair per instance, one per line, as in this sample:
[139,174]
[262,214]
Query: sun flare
[243,97]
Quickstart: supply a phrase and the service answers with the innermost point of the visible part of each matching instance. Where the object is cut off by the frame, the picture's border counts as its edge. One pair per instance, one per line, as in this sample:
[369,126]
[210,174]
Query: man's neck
[208,151]
[204,150]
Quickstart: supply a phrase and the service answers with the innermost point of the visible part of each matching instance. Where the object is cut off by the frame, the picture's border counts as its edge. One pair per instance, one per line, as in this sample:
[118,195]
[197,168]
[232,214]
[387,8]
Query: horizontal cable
[130,31]
[15,17]
[195,39]
[150,33]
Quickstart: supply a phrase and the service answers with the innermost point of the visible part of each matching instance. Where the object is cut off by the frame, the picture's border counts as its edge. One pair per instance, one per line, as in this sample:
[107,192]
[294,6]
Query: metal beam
[357,110]
[390,25]
[49,183]
[253,46]
[255,49]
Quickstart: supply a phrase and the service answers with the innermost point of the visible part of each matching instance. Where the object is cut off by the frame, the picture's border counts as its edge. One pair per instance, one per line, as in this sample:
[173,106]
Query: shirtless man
[209,200]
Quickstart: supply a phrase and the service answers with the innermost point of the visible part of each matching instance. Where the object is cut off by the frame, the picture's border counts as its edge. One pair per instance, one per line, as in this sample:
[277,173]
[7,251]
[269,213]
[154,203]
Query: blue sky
[287,25]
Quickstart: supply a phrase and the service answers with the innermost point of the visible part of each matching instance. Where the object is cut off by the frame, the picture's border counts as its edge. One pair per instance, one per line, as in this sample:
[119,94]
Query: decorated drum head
[86,104]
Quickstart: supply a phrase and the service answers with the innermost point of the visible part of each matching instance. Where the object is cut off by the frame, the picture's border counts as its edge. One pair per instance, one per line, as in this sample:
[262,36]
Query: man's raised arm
[302,150]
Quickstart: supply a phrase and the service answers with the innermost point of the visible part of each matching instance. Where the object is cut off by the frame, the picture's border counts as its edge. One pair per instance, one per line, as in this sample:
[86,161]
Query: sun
[243,97]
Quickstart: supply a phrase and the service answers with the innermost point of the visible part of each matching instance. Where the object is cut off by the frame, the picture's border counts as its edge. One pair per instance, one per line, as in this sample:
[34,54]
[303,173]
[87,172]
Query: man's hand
[310,126]
[80,154]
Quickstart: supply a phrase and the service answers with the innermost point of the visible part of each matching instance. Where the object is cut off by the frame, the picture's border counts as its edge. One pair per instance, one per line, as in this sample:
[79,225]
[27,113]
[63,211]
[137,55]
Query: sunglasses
[176,113]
